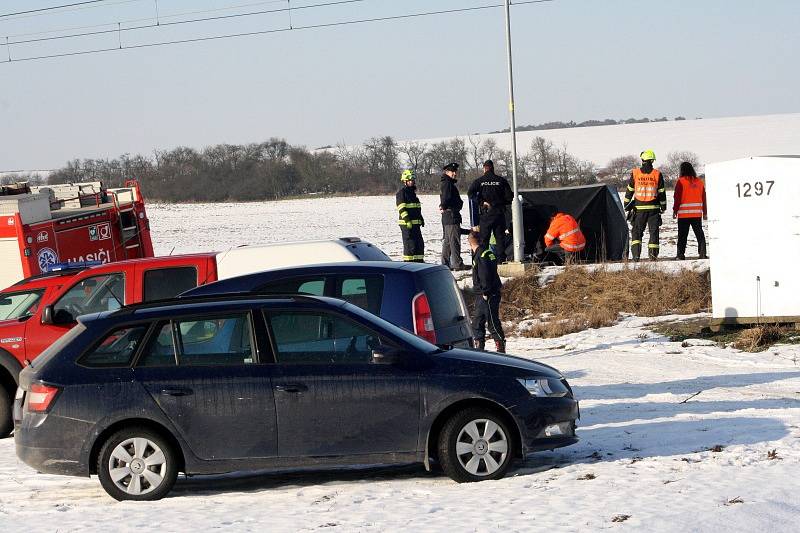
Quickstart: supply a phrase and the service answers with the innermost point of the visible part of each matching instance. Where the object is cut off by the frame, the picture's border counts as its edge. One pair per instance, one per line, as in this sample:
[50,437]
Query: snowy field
[645,454]
[182,228]
[645,462]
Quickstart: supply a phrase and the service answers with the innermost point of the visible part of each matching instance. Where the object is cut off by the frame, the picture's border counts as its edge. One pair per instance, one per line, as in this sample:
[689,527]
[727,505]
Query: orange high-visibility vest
[690,198]
[567,231]
[645,185]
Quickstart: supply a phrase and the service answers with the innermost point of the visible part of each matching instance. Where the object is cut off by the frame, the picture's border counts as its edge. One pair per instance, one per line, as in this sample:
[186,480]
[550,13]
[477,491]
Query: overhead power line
[157,24]
[52,8]
[406,16]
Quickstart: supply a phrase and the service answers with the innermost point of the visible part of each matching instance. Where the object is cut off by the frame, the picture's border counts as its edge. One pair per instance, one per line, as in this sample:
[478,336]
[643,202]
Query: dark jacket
[492,189]
[450,202]
[409,209]
[485,280]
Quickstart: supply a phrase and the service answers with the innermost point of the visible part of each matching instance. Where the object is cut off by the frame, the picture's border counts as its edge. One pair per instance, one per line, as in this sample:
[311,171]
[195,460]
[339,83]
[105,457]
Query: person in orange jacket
[690,209]
[566,230]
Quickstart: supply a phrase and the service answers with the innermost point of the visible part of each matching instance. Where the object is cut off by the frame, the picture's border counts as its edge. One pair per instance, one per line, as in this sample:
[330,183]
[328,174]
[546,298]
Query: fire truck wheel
[6,404]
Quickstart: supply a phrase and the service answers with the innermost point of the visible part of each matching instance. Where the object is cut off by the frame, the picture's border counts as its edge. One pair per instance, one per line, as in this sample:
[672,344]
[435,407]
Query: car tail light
[41,397]
[423,319]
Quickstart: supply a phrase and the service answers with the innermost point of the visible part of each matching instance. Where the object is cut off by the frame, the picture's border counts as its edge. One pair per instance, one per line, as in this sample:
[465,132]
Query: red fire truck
[83,222]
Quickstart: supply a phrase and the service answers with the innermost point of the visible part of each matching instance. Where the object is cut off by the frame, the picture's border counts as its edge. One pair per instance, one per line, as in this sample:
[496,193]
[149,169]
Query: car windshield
[19,304]
[405,336]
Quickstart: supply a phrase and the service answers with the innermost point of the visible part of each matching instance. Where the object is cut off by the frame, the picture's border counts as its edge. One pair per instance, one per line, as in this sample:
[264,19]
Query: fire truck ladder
[130,233]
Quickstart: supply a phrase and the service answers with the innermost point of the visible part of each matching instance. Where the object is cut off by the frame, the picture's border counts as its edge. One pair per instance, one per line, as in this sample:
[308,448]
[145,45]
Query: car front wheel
[475,445]
[137,464]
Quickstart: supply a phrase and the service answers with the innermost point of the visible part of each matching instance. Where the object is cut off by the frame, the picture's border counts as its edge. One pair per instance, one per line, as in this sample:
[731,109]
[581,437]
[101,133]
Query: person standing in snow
[450,204]
[487,286]
[690,209]
[492,193]
[646,199]
[410,218]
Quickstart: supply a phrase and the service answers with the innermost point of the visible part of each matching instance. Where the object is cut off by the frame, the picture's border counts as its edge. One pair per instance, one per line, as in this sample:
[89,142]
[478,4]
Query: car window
[116,349]
[312,286]
[444,297]
[219,340]
[160,351]
[365,292]
[91,295]
[308,337]
[165,283]
[19,304]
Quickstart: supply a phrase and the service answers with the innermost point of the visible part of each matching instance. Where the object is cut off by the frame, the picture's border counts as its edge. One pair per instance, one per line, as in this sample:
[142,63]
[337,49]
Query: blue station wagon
[214,385]
[418,297]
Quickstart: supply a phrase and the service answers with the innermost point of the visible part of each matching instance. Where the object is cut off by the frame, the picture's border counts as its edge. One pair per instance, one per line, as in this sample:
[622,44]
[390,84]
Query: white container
[32,208]
[754,227]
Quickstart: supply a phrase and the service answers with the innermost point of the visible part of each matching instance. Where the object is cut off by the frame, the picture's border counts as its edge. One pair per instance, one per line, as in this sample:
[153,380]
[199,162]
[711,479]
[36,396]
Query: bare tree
[542,160]
[619,169]
[671,167]
[414,153]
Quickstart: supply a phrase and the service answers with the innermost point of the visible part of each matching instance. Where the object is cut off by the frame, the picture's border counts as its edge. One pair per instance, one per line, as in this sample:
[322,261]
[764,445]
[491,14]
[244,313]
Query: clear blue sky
[425,77]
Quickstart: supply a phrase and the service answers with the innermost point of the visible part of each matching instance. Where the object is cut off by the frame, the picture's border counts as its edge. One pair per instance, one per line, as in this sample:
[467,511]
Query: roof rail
[349,239]
[211,299]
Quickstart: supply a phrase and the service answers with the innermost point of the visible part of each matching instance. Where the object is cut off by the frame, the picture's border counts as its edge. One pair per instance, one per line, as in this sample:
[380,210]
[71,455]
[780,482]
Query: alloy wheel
[481,447]
[137,466]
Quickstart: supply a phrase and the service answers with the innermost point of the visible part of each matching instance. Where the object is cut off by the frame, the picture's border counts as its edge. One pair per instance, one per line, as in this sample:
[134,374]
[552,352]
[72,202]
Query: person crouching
[487,286]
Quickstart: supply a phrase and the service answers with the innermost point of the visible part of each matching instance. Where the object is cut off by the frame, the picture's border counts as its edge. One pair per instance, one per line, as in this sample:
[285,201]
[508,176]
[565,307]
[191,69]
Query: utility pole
[516,206]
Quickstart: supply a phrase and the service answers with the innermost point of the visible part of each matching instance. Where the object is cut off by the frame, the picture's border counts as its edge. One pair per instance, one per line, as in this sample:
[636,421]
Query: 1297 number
[758,188]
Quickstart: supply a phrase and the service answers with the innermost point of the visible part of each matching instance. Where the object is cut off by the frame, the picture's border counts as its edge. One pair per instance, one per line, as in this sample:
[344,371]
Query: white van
[249,259]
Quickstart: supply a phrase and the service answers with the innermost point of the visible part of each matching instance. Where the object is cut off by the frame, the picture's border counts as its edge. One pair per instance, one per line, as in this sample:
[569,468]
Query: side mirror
[385,356]
[47,315]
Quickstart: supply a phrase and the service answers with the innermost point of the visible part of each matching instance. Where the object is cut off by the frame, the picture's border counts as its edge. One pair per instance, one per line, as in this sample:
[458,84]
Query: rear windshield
[19,304]
[444,297]
[367,252]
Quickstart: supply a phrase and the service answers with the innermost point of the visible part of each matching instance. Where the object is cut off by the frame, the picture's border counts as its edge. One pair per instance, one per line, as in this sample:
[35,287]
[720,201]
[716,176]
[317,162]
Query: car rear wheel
[137,464]
[475,445]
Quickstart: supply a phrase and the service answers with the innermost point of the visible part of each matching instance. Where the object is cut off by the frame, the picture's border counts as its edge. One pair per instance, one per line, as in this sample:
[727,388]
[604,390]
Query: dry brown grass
[578,298]
[759,338]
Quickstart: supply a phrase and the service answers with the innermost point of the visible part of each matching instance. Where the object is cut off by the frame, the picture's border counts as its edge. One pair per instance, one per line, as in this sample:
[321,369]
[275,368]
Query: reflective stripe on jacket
[690,198]
[646,191]
[408,208]
[566,229]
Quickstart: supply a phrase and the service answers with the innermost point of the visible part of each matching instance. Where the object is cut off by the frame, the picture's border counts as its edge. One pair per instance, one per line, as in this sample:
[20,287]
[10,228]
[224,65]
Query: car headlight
[543,387]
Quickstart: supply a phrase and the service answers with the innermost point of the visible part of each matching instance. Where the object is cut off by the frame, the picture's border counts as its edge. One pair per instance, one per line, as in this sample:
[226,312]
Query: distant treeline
[586,124]
[275,169]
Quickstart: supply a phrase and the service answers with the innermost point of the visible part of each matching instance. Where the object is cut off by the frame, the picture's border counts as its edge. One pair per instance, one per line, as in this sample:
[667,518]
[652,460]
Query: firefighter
[410,219]
[450,204]
[566,230]
[492,193]
[646,199]
[487,286]
[690,209]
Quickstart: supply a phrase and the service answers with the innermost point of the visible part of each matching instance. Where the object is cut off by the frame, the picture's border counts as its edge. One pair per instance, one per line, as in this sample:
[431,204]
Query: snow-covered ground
[645,454]
[712,139]
[182,228]
[646,435]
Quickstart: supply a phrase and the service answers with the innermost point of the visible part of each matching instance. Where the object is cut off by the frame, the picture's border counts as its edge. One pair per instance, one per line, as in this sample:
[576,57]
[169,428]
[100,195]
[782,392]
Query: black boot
[479,344]
[500,346]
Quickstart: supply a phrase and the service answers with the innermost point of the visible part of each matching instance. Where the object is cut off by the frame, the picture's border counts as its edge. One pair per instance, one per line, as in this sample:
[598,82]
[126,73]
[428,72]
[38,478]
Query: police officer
[410,218]
[646,199]
[487,286]
[450,204]
[492,193]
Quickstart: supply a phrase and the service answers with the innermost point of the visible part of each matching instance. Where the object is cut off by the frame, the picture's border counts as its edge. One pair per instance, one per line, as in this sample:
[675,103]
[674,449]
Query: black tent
[597,208]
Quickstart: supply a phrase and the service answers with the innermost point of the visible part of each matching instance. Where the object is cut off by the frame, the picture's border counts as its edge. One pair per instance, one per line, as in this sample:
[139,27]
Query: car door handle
[293,388]
[177,392]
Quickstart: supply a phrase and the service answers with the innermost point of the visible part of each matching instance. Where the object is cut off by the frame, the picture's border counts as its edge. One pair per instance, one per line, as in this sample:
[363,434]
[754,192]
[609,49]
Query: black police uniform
[450,203]
[493,190]
[487,286]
